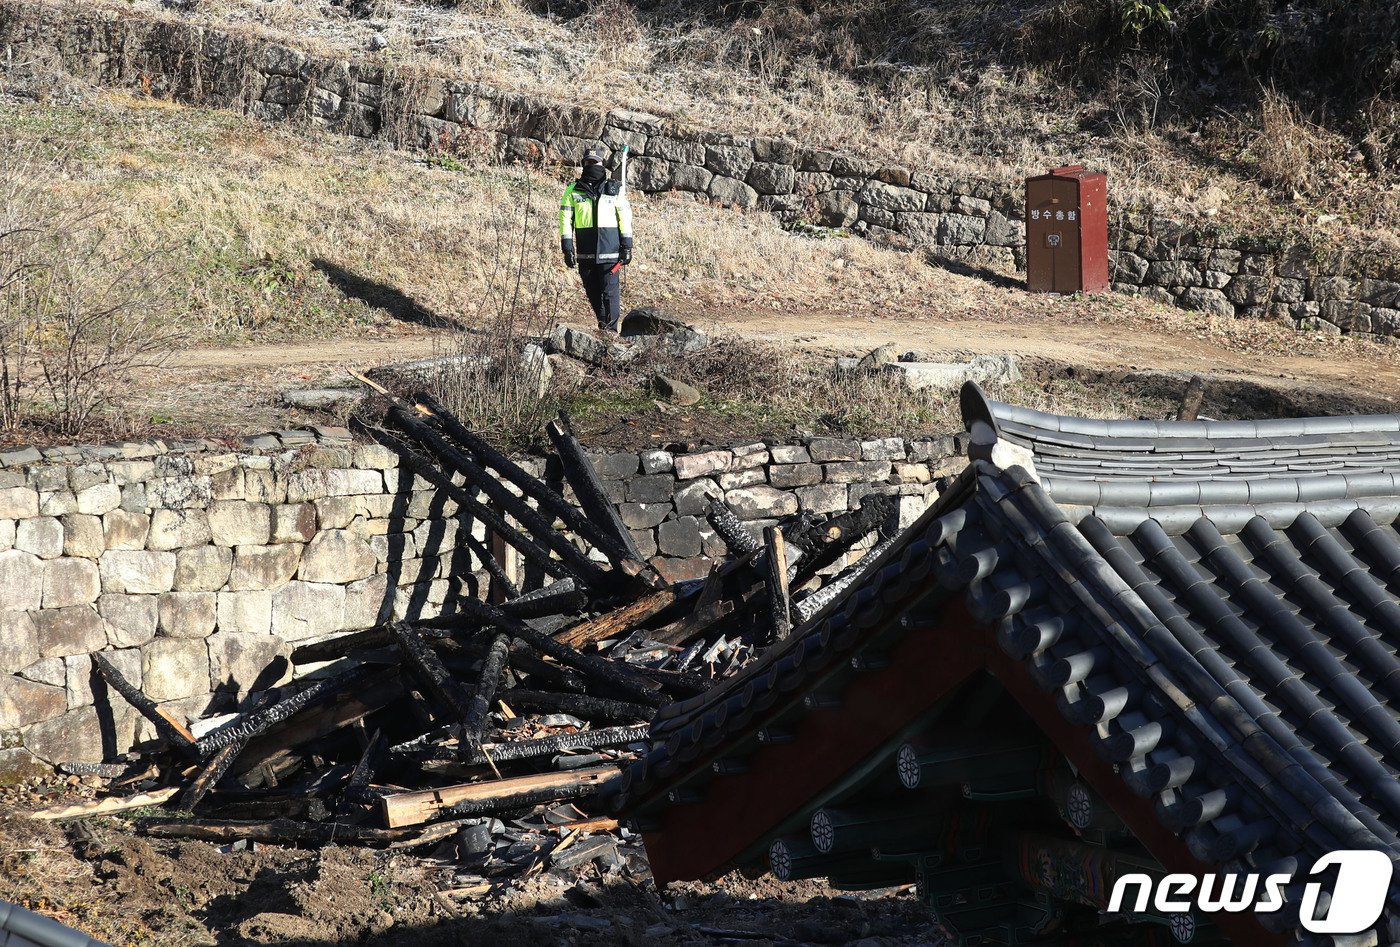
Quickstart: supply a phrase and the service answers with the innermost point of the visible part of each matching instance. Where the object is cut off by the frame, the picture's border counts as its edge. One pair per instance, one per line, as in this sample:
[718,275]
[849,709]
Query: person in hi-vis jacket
[595,233]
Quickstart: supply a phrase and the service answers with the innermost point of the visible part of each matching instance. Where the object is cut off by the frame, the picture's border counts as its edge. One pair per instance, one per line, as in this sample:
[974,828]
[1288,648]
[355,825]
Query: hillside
[1274,117]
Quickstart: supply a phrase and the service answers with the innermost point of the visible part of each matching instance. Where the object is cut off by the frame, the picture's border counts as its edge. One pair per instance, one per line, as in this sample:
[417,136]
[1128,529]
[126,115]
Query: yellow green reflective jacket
[595,223]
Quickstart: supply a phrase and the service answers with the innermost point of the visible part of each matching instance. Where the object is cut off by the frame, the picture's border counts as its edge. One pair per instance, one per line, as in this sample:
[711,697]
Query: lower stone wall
[975,222]
[195,570]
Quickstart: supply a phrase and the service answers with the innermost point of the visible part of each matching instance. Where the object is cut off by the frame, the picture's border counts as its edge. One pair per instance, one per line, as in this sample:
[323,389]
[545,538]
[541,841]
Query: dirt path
[1244,351]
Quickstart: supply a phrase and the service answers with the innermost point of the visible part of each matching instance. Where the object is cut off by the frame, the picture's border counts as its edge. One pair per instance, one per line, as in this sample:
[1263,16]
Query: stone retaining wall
[197,569]
[977,223]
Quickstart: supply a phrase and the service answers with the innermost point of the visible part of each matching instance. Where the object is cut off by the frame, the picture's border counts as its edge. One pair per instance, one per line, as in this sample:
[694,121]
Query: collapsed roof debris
[489,731]
[1109,647]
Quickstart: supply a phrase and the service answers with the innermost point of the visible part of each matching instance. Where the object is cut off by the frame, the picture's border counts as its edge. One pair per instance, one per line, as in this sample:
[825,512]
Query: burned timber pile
[493,727]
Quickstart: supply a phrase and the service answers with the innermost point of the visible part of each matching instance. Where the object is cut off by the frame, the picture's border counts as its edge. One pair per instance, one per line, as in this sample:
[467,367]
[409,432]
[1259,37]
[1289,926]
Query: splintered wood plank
[411,808]
[377,692]
[96,807]
[619,621]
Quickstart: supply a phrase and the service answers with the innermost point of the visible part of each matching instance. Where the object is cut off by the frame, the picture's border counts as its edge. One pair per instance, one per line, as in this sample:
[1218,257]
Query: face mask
[594,173]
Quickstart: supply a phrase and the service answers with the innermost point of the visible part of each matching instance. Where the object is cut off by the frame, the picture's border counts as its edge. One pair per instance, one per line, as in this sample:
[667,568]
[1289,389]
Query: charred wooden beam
[562,597]
[538,527]
[678,683]
[589,491]
[525,661]
[481,511]
[251,724]
[578,705]
[171,730]
[779,602]
[447,695]
[814,603]
[558,598]
[829,541]
[533,749]
[620,621]
[681,631]
[475,720]
[731,529]
[324,782]
[278,831]
[532,487]
[599,670]
[411,808]
[559,743]
[523,799]
[371,762]
[377,692]
[209,776]
[101,770]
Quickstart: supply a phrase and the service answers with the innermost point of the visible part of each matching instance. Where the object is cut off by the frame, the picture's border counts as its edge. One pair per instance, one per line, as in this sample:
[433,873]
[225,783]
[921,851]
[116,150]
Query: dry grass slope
[992,89]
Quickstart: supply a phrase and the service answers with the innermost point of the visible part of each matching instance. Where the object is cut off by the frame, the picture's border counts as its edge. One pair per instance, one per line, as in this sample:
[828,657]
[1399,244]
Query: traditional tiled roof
[1215,605]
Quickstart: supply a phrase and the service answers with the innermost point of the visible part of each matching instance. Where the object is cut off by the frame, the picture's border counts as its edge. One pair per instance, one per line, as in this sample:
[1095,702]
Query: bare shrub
[495,374]
[80,308]
[1286,147]
[794,390]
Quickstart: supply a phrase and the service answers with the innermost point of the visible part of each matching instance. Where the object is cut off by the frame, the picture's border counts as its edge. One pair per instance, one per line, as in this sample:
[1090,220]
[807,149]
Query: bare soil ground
[1105,344]
[130,891]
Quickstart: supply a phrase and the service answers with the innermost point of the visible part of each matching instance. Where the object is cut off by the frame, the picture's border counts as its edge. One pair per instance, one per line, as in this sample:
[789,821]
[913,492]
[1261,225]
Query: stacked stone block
[196,570]
[662,497]
[977,223]
[1330,292]
[196,573]
[974,222]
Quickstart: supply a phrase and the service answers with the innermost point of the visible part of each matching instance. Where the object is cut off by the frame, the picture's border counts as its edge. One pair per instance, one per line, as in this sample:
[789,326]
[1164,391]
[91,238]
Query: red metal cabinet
[1067,231]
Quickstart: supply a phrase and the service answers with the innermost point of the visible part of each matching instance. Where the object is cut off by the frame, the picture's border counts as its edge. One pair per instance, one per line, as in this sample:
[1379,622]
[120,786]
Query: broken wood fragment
[601,670]
[829,541]
[541,746]
[210,775]
[731,529]
[447,695]
[474,721]
[96,807]
[279,742]
[277,831]
[412,808]
[587,487]
[251,724]
[171,730]
[562,597]
[779,604]
[580,705]
[619,621]
[1192,399]
[371,761]
[681,631]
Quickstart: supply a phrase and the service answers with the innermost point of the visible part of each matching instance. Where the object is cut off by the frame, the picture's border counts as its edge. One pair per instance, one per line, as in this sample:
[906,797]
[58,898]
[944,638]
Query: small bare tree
[496,377]
[81,307]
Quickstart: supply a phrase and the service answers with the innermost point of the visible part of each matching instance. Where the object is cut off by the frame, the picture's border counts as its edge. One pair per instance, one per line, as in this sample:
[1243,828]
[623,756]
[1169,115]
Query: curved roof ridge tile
[995,412]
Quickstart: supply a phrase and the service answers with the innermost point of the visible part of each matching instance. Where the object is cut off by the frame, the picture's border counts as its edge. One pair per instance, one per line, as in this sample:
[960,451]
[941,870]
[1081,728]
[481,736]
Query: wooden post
[1192,399]
[779,604]
[411,808]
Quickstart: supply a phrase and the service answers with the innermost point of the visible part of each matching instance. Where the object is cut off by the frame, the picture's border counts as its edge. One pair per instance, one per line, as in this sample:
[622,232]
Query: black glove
[625,256]
[570,259]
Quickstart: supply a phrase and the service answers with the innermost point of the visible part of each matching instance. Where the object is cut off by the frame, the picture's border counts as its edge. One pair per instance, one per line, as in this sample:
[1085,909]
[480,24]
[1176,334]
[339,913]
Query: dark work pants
[604,293]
